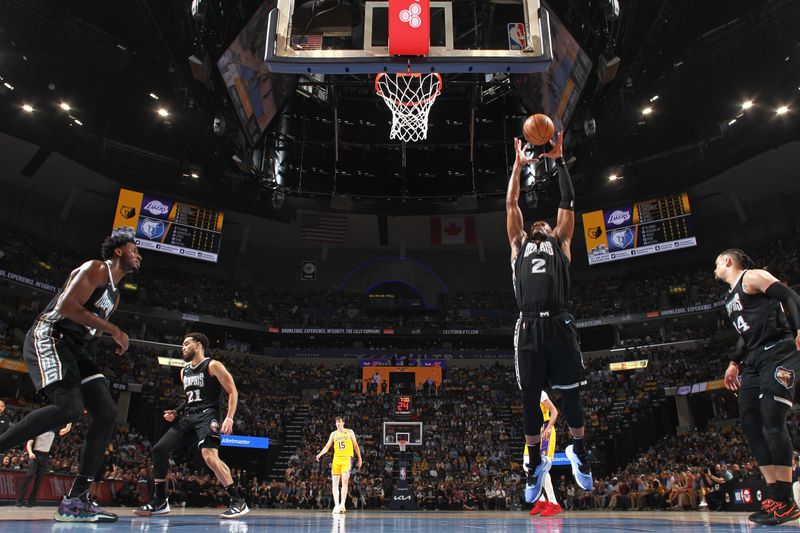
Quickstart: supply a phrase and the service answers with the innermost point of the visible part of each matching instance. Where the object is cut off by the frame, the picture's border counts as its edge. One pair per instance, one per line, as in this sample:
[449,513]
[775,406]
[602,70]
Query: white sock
[548,489]
[335,497]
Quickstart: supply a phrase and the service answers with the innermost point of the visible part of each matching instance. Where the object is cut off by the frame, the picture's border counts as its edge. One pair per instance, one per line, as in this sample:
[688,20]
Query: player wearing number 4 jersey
[546,350]
[764,370]
[344,443]
[198,424]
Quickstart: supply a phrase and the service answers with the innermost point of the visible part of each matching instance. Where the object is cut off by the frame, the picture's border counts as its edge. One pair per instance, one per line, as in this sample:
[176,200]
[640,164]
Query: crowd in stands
[193,292]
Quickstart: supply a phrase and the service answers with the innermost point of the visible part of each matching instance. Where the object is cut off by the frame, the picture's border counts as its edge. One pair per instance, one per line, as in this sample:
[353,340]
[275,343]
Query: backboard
[410,432]
[352,37]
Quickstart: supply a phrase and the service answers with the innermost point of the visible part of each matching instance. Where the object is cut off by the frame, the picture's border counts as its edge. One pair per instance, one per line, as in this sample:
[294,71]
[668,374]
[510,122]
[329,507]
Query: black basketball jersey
[759,319]
[202,389]
[541,276]
[101,303]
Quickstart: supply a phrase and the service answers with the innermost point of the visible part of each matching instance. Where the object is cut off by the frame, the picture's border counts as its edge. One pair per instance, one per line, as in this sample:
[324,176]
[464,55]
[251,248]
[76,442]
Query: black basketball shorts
[770,372]
[547,353]
[203,425]
[53,357]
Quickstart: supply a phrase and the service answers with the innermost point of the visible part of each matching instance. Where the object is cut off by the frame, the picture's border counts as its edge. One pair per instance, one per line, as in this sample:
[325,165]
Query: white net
[409,97]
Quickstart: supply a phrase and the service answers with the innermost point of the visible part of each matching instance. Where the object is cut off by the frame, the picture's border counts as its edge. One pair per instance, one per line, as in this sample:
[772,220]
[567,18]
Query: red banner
[409,27]
[53,486]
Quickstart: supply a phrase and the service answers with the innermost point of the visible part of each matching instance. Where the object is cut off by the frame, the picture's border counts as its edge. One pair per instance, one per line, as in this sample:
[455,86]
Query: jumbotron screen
[642,228]
[170,226]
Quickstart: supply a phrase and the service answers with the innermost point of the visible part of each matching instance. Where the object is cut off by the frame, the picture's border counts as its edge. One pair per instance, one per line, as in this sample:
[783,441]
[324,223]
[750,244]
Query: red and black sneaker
[766,511]
[782,512]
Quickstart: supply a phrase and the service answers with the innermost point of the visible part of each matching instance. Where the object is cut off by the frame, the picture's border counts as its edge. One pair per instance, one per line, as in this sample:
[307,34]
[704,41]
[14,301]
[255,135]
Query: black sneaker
[236,509]
[765,511]
[782,512]
[156,506]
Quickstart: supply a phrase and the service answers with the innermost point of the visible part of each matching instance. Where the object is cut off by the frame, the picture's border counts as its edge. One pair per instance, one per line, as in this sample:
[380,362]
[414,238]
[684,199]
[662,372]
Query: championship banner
[13,364]
[628,365]
[409,27]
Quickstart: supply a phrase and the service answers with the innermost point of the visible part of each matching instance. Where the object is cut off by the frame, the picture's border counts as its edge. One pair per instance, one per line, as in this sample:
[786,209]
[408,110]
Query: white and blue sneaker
[535,482]
[580,471]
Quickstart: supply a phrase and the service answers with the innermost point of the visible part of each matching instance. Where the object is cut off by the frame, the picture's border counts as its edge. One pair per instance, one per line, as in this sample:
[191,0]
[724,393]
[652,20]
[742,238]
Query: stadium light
[195,175]
[647,110]
[27,107]
[78,122]
[65,106]
[154,96]
[162,112]
[9,86]
[747,104]
[782,110]
[654,98]
[614,177]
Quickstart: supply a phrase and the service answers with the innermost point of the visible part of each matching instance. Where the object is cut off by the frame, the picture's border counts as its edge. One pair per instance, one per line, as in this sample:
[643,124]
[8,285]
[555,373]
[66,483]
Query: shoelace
[778,509]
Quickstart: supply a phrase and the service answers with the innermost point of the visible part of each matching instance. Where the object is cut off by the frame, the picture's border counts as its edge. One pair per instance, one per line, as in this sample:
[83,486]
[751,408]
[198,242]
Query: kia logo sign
[402,498]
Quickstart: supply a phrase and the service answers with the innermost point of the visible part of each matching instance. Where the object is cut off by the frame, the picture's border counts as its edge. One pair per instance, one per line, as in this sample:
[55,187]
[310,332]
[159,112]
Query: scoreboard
[170,226]
[642,228]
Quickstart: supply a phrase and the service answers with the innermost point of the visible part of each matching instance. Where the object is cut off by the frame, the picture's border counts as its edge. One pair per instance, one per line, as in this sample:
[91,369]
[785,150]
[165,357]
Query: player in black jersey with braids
[547,353]
[764,369]
[198,423]
[59,352]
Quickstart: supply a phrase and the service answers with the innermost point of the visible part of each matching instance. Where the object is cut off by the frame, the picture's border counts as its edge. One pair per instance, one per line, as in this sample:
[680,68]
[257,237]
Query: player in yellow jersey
[548,506]
[344,442]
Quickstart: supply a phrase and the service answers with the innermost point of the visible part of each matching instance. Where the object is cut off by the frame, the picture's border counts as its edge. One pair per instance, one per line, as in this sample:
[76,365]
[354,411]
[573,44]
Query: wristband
[560,162]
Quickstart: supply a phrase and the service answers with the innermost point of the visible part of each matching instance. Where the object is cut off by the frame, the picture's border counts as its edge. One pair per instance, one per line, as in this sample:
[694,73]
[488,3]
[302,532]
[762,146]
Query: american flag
[324,228]
[307,42]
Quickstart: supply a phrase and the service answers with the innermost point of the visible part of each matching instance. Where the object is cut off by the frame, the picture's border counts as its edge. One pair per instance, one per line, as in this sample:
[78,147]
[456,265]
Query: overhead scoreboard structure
[642,228]
[170,226]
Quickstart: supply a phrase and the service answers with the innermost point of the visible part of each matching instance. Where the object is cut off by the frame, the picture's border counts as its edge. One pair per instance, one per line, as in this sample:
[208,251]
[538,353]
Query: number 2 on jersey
[537,266]
[194,396]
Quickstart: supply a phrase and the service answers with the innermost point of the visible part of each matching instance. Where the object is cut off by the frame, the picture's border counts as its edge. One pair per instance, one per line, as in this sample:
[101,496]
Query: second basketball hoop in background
[410,98]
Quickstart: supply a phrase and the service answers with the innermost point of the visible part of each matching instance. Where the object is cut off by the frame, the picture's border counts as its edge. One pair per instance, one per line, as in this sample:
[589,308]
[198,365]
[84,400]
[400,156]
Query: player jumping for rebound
[344,442]
[546,338]
[198,423]
[763,369]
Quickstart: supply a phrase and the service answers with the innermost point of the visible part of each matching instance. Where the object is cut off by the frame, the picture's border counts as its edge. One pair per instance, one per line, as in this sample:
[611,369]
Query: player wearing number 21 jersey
[197,422]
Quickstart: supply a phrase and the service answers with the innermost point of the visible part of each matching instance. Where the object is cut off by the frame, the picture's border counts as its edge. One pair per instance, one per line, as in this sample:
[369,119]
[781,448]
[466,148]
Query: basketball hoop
[402,443]
[410,97]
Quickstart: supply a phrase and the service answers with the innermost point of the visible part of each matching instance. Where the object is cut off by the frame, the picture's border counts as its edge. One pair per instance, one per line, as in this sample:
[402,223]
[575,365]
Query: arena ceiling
[105,59]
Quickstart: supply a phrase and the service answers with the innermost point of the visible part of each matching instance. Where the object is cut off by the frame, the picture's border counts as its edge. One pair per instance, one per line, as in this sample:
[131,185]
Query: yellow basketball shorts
[341,465]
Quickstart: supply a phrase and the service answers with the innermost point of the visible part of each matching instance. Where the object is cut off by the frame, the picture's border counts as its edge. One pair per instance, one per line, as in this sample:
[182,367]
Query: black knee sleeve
[532,418]
[571,405]
[753,429]
[773,415]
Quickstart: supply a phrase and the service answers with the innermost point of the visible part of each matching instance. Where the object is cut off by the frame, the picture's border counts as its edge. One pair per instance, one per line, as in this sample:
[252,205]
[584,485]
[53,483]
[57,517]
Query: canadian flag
[453,230]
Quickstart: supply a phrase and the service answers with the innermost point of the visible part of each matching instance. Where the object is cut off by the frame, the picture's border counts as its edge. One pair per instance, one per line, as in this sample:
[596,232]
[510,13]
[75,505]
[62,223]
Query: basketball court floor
[39,520]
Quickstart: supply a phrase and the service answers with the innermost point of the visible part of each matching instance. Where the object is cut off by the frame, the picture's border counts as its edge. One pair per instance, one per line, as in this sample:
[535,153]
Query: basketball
[538,129]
